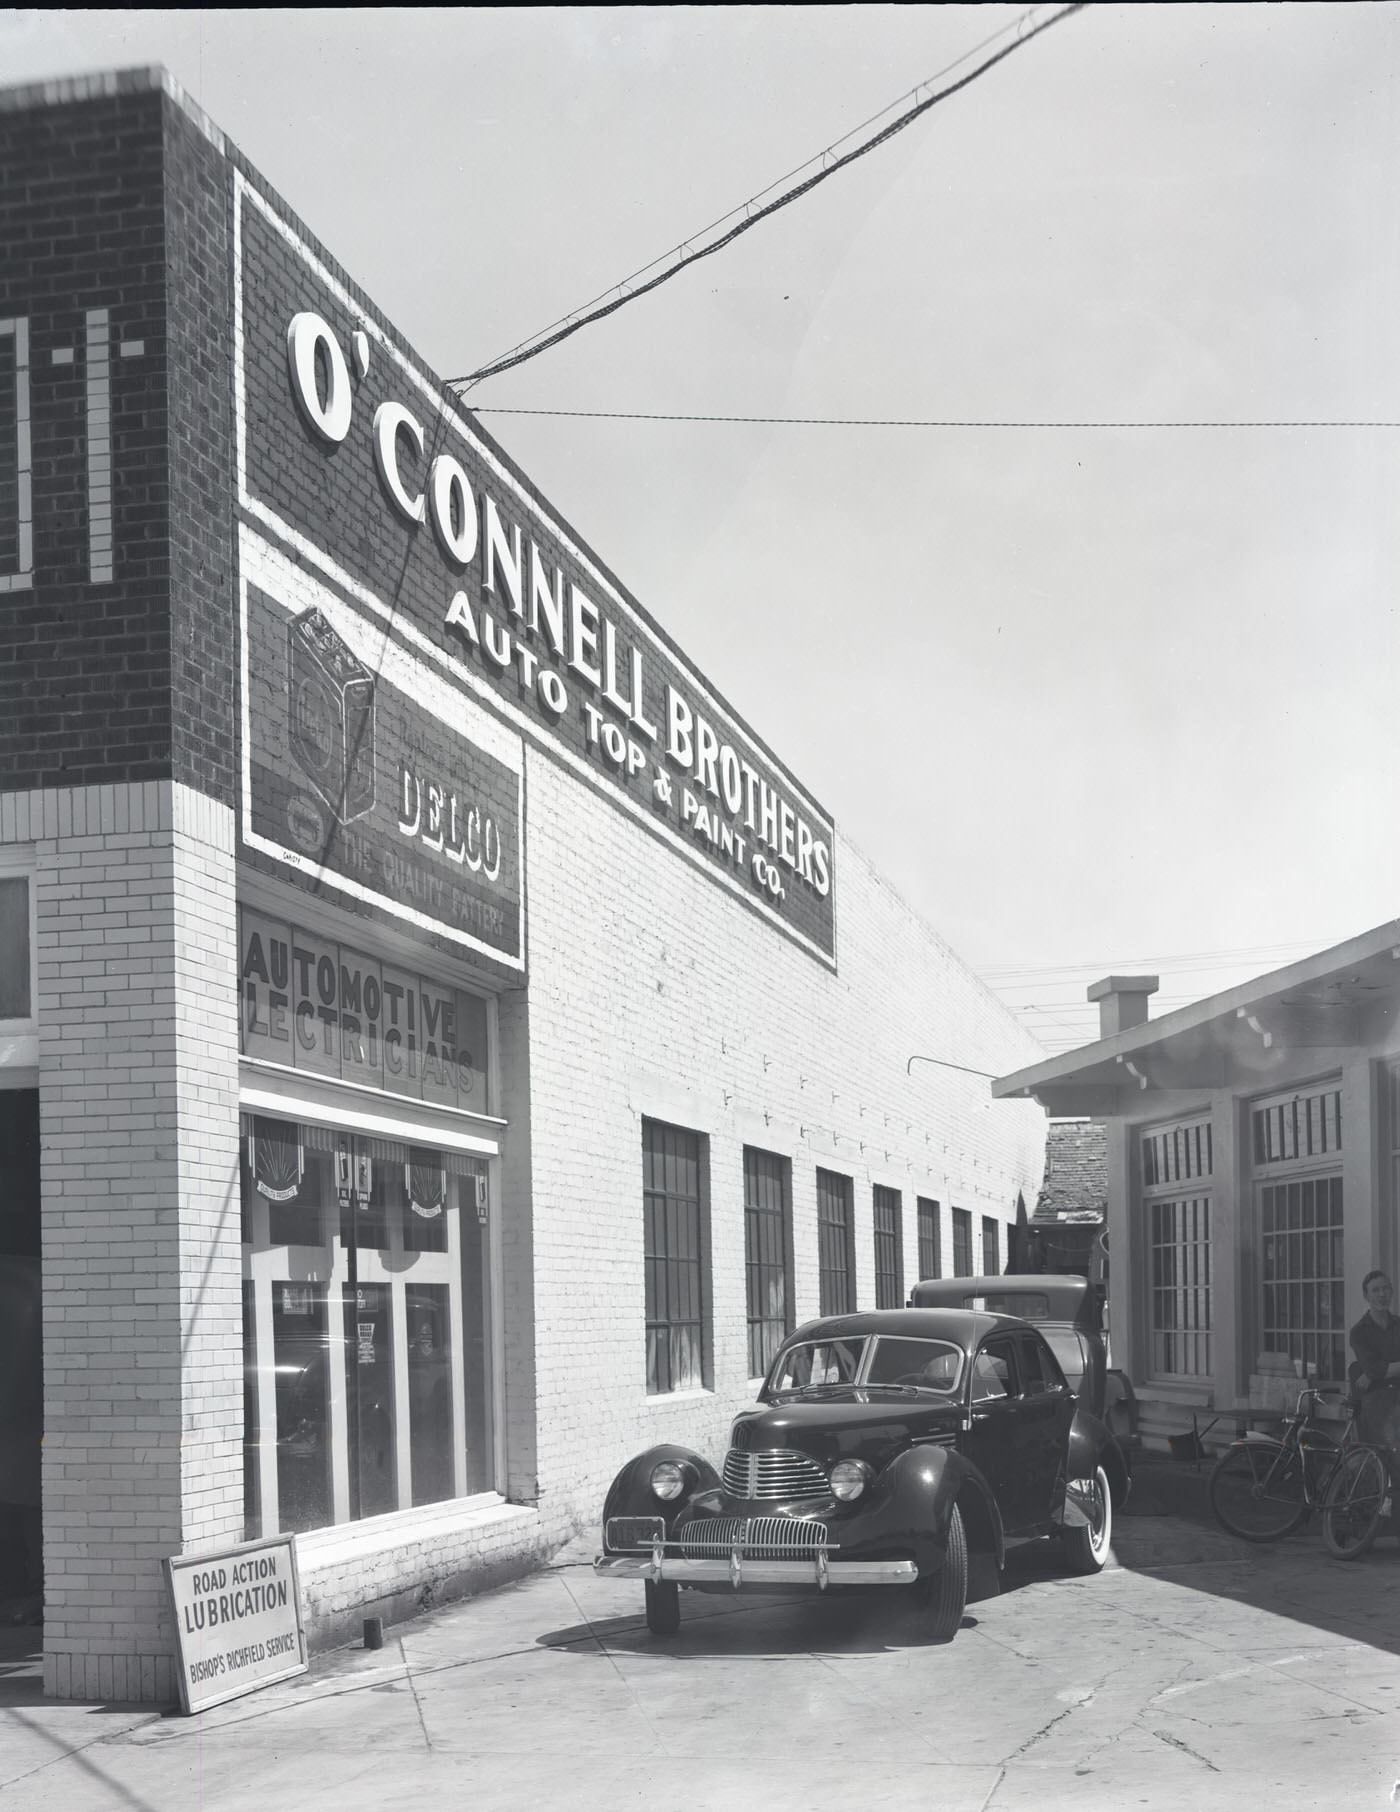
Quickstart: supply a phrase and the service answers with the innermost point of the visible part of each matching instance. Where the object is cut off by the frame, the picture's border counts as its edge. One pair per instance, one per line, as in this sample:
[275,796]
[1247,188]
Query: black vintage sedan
[885,1447]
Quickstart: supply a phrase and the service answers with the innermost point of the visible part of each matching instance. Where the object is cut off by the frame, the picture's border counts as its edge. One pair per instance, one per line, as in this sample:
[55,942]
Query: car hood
[846,1427]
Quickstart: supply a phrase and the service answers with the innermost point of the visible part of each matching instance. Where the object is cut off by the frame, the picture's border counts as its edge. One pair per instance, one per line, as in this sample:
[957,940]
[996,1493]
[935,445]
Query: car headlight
[848,1479]
[667,1480]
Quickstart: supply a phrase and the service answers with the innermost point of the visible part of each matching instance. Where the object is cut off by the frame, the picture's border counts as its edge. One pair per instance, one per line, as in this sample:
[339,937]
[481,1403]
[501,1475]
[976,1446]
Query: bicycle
[1356,1497]
[1263,1487]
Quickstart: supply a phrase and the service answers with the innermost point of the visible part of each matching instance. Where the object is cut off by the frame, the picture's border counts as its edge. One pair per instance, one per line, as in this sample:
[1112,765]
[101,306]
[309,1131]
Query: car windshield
[816,1362]
[1067,1347]
[888,1362]
[930,1364]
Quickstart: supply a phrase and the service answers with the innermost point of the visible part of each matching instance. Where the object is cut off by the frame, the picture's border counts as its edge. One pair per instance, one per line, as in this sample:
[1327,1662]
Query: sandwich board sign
[238,1620]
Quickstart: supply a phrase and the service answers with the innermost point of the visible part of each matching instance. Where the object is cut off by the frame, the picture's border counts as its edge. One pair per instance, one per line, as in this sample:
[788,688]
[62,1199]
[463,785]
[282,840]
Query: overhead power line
[1189,959]
[829,161]
[881,421]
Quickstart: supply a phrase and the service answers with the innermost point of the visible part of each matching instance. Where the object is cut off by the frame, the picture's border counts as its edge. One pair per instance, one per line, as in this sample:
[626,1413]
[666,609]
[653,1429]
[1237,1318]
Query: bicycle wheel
[1354,1503]
[1257,1491]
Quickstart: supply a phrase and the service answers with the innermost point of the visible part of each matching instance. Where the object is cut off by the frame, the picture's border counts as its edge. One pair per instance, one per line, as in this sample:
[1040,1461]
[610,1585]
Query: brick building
[442,1047]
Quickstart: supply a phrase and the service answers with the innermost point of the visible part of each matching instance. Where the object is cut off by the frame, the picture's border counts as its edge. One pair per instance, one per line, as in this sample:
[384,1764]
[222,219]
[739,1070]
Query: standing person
[1376,1342]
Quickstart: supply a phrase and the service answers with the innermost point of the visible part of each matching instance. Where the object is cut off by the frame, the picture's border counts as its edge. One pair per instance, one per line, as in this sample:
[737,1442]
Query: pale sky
[1088,697]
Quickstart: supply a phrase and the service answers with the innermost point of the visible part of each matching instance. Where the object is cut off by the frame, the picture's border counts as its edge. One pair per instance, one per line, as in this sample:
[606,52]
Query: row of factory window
[677,1271]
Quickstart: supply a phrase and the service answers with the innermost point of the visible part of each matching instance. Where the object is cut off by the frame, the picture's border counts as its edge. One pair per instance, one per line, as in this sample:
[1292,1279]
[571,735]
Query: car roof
[1067,1299]
[964,1327]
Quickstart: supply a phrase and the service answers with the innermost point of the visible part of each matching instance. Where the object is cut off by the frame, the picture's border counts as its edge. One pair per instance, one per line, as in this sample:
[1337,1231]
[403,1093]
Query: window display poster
[238,1620]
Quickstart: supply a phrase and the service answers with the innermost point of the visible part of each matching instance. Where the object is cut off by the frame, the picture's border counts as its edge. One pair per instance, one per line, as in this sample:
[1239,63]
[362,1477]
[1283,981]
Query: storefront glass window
[366,1326]
[300,1357]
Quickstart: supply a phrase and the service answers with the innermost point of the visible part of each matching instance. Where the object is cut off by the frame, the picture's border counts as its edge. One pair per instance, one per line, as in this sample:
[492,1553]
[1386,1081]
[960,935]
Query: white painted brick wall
[137,1012]
[653,994]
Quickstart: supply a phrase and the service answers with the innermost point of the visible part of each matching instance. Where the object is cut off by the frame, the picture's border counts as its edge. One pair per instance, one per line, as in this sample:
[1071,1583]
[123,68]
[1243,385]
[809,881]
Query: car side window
[993,1373]
[1039,1372]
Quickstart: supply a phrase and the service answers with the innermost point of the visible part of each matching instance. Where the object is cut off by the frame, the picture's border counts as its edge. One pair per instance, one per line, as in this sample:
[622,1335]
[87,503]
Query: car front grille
[773,1472]
[758,1538]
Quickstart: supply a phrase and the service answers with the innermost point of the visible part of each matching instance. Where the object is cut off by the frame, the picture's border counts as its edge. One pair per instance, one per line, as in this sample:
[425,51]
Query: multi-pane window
[1303,1311]
[1179,1259]
[962,1242]
[1297,1126]
[673,1197]
[836,1242]
[991,1246]
[1177,1154]
[1178,1162]
[889,1268]
[767,1239]
[930,1239]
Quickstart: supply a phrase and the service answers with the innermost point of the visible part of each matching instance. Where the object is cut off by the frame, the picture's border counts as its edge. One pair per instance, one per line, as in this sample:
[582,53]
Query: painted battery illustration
[331,713]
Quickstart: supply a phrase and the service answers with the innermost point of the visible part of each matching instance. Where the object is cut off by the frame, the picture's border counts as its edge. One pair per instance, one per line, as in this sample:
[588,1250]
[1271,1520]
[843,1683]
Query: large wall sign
[351,457]
[370,774]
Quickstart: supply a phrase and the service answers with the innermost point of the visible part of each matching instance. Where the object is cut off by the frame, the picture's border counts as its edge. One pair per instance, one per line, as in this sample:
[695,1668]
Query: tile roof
[1076,1170]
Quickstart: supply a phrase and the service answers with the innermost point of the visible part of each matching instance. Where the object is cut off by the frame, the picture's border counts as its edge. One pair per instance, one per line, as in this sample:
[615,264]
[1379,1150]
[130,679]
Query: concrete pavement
[1195,1672]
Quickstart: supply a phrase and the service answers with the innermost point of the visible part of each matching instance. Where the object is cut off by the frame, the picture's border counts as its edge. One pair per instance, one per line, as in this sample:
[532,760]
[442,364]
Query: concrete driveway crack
[1086,1698]
[1165,1736]
[417,1702]
[618,1674]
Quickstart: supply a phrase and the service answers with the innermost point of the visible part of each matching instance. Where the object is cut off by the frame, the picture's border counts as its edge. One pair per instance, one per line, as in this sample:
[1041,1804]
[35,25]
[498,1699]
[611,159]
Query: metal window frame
[962,1242]
[836,1238]
[675,1278]
[888,1244]
[767,1253]
[930,1219]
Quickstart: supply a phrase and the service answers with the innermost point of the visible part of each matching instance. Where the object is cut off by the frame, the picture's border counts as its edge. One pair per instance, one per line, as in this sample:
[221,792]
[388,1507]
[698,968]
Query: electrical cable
[1120,964]
[875,421]
[752,215]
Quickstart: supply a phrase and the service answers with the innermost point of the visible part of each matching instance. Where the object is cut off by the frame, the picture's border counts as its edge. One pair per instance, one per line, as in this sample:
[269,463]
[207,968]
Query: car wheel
[1087,1547]
[945,1595]
[663,1606]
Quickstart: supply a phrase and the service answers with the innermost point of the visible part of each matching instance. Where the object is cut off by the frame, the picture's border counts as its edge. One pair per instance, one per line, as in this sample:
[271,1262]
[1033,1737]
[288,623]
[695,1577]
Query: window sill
[319,1548]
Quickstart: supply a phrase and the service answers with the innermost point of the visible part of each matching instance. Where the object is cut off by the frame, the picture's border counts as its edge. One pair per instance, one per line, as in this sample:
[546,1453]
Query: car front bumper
[738,1571]
[740,1551]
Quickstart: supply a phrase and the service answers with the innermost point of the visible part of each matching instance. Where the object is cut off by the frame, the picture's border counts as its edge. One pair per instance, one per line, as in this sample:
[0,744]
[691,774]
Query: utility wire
[684,255]
[1120,964]
[878,421]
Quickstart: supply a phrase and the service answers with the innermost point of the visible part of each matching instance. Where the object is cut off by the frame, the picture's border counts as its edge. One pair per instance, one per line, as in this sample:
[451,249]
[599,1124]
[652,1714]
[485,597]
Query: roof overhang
[1318,1011]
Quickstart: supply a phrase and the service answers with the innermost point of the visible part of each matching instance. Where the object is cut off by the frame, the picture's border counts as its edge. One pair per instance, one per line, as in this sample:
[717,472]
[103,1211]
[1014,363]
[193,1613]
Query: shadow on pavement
[1169,1531]
[857,1625]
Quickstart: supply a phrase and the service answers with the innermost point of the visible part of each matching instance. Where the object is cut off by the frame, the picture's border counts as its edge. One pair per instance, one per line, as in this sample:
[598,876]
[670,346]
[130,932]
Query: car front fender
[911,1504]
[630,1493]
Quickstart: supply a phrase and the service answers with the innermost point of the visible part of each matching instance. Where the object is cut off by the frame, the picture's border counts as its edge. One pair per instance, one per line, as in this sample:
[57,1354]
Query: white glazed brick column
[138,1081]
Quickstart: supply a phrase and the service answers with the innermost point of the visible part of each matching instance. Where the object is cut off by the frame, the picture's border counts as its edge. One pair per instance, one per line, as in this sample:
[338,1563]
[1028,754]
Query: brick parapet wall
[134,911]
[85,655]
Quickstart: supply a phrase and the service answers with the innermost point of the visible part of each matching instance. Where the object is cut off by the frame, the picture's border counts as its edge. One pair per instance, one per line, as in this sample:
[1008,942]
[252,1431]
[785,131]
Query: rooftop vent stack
[1122,1001]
